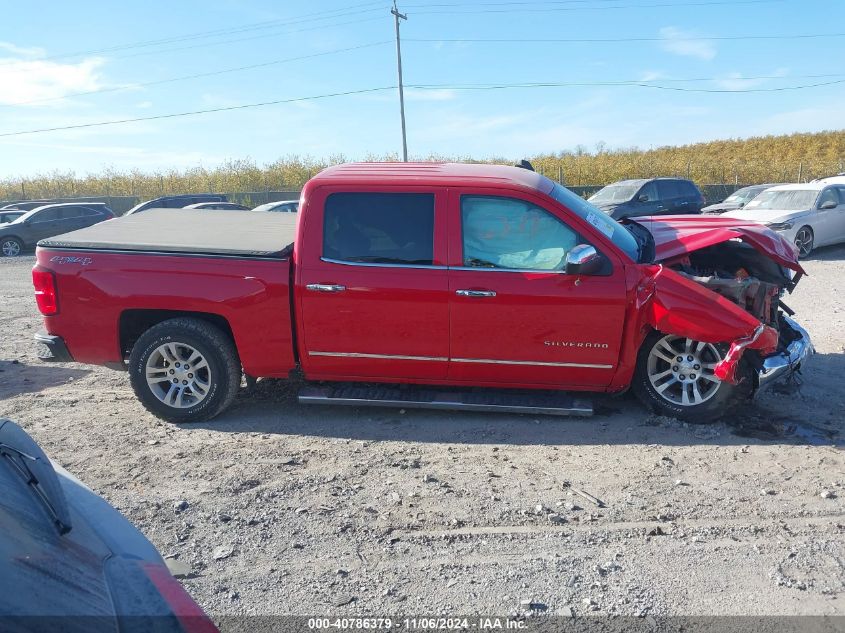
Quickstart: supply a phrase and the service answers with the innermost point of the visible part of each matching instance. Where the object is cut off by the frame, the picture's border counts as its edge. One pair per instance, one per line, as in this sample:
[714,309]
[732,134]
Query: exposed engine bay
[742,275]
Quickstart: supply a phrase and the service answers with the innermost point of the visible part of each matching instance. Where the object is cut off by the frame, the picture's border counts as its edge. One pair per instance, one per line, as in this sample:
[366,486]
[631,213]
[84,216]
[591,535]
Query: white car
[808,215]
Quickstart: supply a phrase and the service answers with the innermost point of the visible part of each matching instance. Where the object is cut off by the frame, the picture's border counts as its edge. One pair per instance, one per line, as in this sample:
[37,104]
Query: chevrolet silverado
[427,285]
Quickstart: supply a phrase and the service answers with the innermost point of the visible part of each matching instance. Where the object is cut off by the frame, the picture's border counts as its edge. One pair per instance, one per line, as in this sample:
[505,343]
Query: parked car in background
[177,202]
[655,196]
[808,215]
[26,205]
[282,206]
[838,179]
[220,206]
[10,215]
[48,221]
[70,562]
[737,199]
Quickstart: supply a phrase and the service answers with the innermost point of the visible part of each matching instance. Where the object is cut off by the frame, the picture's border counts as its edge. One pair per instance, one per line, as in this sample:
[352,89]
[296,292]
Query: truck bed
[187,231]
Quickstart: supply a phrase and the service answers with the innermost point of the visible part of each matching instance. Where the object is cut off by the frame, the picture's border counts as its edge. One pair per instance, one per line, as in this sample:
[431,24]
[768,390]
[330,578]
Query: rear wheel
[804,239]
[10,246]
[184,370]
[675,376]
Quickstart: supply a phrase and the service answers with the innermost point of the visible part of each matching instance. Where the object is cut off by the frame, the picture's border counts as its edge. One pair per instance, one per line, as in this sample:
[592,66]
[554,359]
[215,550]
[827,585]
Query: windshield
[788,200]
[614,193]
[617,233]
[743,195]
[275,206]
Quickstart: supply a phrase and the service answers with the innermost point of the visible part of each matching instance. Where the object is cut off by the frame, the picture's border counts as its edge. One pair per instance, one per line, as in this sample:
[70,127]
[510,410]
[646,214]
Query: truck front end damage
[725,285]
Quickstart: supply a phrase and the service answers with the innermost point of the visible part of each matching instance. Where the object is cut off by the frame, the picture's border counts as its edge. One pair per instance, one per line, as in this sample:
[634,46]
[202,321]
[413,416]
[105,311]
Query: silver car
[808,215]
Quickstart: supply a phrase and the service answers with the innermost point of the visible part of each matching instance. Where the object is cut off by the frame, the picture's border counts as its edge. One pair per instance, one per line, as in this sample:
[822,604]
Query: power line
[195,112]
[596,8]
[213,73]
[243,39]
[308,17]
[611,40]
[638,84]
[462,87]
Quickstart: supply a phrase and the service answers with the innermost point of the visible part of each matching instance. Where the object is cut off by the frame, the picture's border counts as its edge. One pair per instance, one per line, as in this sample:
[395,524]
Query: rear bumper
[52,348]
[781,365]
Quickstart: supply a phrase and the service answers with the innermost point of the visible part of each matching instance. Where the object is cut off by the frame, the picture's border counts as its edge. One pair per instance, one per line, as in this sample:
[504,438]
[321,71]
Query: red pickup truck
[430,285]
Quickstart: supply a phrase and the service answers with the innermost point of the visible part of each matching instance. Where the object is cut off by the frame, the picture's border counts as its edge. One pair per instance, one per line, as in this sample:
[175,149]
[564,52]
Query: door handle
[326,287]
[475,293]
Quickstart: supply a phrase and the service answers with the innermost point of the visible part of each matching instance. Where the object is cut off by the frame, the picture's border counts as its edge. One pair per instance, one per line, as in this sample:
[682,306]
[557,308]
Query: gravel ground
[277,508]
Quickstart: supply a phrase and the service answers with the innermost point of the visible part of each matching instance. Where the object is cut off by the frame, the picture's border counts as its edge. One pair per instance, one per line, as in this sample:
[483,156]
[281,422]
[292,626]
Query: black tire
[805,245]
[10,247]
[704,413]
[216,348]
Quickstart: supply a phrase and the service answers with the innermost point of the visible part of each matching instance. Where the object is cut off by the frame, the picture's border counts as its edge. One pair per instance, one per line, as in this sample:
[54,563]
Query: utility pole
[398,16]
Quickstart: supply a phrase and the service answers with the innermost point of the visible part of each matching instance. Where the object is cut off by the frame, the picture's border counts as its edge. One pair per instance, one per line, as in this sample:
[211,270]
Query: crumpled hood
[677,235]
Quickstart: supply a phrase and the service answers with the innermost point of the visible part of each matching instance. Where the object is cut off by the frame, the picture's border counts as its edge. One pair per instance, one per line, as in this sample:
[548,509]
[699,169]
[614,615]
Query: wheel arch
[14,237]
[134,322]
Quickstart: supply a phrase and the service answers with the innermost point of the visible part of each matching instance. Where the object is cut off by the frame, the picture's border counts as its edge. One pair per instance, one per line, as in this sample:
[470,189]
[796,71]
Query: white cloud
[680,42]
[736,81]
[21,51]
[30,80]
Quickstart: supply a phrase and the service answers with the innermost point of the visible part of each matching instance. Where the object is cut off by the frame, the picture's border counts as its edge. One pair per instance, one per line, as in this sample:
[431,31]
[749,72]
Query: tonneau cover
[190,231]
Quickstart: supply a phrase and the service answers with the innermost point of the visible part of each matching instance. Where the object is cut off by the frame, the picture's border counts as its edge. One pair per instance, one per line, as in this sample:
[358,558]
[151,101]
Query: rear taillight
[45,290]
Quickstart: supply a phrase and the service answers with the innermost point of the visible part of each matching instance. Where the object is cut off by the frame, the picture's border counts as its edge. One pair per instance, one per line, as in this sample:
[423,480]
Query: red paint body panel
[406,324]
[677,235]
[252,295]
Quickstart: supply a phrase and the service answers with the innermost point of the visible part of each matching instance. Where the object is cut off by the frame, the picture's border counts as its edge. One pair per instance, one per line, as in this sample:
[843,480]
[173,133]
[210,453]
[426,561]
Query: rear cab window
[379,228]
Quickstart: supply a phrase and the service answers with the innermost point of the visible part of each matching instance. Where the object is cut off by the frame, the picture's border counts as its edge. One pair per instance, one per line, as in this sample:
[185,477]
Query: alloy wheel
[178,375]
[804,241]
[682,371]
[11,248]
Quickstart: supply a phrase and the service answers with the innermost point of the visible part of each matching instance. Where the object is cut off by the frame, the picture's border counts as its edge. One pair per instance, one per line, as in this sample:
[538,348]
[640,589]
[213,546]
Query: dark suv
[48,221]
[177,202]
[655,196]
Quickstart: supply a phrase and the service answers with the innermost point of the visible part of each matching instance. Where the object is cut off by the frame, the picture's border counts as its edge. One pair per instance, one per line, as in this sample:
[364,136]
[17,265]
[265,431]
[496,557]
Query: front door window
[506,233]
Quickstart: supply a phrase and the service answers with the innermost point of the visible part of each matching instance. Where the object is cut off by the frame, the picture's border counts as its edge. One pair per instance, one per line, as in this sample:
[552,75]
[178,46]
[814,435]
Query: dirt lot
[276,508]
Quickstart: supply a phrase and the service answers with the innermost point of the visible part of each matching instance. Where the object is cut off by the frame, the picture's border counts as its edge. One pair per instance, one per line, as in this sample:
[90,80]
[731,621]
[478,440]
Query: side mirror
[642,197]
[583,260]
[828,204]
[741,204]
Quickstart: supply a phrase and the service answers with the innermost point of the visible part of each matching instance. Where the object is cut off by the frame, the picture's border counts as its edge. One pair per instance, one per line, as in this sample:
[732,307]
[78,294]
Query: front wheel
[804,241]
[675,376]
[184,370]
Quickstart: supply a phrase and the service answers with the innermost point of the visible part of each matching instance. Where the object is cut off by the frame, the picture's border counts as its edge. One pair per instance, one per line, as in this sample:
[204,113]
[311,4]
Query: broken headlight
[780,226]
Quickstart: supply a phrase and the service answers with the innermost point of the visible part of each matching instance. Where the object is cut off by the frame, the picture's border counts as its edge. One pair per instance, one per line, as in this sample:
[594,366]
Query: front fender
[673,304]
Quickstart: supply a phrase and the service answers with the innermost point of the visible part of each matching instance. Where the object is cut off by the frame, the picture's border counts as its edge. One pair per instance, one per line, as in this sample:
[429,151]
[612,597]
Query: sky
[645,73]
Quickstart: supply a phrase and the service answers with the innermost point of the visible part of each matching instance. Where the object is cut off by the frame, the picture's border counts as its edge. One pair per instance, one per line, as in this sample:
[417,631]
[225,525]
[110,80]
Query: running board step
[555,403]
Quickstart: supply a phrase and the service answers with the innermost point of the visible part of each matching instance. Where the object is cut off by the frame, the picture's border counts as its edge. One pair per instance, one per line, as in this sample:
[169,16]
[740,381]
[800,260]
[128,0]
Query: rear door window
[379,228]
[668,189]
[68,213]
